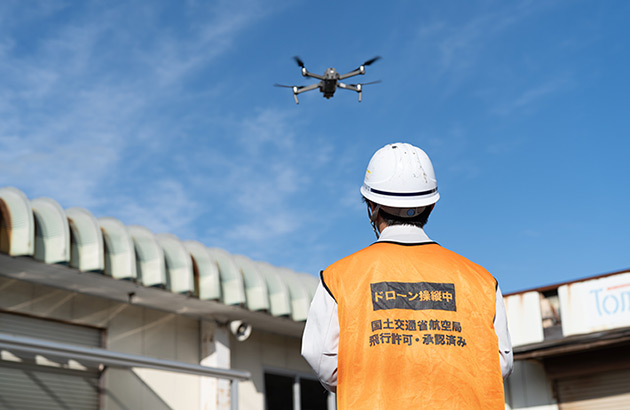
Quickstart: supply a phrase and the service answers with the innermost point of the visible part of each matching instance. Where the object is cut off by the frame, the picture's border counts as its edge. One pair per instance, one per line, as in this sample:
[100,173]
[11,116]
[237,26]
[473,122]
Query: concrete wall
[529,388]
[260,352]
[154,334]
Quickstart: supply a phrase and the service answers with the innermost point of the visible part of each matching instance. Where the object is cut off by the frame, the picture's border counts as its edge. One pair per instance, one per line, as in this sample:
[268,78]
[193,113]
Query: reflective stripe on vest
[416,330]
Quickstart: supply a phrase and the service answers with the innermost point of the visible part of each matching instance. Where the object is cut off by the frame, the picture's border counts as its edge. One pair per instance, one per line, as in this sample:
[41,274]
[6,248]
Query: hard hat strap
[373,216]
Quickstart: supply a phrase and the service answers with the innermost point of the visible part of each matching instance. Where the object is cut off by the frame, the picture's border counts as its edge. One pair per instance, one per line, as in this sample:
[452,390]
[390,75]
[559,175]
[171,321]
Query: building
[98,315]
[571,345]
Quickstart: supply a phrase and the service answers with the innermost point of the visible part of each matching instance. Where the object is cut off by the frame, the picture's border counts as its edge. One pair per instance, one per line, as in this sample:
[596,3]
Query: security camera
[240,330]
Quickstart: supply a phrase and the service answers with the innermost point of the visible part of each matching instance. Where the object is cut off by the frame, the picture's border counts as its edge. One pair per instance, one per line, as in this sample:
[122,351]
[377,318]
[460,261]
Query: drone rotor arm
[356,87]
[353,87]
[303,89]
[358,71]
[307,73]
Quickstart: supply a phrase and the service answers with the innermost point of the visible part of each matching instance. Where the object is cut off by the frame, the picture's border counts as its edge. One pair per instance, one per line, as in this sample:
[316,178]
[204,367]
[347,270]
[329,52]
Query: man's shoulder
[351,258]
[472,266]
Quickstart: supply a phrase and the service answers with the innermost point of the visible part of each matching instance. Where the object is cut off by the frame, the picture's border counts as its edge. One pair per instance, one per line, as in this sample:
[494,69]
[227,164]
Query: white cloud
[80,98]
[533,95]
[266,183]
[166,206]
[458,47]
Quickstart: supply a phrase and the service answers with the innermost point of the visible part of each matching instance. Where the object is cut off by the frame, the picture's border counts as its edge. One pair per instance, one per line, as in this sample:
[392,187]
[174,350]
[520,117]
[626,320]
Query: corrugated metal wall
[29,381]
[604,390]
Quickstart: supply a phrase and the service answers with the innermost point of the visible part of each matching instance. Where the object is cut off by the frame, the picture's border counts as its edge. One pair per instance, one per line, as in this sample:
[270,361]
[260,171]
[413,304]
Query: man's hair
[418,220]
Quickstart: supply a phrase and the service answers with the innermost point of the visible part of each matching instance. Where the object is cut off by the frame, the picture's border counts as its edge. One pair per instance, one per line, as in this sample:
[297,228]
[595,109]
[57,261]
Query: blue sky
[164,114]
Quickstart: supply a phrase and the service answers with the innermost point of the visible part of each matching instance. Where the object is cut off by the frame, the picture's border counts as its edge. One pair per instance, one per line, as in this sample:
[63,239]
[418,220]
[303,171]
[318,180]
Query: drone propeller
[285,86]
[362,84]
[299,61]
[370,61]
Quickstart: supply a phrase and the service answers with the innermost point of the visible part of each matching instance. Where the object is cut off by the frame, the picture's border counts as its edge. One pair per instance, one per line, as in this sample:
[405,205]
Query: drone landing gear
[354,87]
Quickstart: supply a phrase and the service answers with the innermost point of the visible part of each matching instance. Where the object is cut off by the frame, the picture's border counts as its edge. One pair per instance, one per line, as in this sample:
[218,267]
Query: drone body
[330,80]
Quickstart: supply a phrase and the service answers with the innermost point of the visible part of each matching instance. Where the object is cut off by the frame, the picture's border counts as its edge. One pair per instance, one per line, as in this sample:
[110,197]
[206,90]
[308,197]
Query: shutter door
[604,390]
[29,381]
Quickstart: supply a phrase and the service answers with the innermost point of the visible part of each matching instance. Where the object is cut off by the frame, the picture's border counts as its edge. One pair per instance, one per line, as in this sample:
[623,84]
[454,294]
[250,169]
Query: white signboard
[595,305]
[524,318]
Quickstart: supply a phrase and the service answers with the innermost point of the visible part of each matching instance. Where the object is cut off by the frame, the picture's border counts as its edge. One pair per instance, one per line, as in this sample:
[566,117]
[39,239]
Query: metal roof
[17,224]
[120,253]
[150,259]
[87,251]
[555,286]
[40,229]
[206,271]
[52,233]
[256,292]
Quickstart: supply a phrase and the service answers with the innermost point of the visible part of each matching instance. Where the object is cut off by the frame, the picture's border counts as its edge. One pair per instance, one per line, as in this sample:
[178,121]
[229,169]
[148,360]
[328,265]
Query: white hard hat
[400,176]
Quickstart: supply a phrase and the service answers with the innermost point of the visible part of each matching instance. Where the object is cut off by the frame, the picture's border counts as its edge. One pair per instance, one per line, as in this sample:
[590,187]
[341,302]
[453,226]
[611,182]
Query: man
[405,323]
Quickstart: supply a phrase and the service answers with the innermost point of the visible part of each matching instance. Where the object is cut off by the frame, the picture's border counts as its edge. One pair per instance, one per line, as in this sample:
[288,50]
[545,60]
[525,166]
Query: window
[550,310]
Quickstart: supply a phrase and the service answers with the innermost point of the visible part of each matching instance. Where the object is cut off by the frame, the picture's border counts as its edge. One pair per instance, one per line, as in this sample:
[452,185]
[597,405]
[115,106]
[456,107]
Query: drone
[330,80]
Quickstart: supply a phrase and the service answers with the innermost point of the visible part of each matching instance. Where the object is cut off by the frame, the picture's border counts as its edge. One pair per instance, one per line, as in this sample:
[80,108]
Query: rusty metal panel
[524,318]
[606,390]
[595,305]
[206,271]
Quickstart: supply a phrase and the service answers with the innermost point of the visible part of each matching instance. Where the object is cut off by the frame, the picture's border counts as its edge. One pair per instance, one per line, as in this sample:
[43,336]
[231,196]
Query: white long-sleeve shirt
[320,341]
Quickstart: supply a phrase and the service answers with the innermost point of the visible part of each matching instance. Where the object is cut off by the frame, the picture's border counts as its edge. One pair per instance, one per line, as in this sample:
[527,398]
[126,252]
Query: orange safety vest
[415,330]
